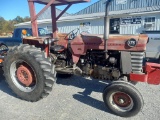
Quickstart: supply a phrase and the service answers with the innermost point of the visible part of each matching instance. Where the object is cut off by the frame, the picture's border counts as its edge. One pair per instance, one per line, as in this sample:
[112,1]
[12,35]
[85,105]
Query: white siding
[97,25]
[98,28]
[139,28]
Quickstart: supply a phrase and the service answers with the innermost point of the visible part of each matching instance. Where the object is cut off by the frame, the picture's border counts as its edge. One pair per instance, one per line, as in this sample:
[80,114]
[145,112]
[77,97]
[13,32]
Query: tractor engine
[62,59]
[96,65]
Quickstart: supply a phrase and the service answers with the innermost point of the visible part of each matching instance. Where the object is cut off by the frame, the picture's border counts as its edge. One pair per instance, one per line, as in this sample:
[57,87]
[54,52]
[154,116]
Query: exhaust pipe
[106,25]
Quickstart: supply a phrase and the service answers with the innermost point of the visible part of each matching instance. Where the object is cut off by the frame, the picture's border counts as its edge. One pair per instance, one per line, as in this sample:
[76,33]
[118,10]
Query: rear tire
[28,73]
[123,99]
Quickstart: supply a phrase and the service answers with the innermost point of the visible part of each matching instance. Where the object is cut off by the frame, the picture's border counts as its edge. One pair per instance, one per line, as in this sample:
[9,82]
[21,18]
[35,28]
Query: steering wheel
[71,35]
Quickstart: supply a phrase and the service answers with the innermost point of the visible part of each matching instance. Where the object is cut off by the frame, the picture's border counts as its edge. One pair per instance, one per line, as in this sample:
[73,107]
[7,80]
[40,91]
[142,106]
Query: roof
[67,18]
[47,14]
[59,2]
[97,9]
[135,10]
[129,5]
[92,16]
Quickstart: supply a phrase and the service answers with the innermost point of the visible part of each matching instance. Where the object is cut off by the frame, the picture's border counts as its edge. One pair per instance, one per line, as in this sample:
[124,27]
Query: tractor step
[64,70]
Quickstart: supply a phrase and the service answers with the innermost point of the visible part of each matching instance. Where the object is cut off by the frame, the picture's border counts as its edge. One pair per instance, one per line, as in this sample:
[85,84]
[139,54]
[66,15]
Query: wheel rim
[23,76]
[121,101]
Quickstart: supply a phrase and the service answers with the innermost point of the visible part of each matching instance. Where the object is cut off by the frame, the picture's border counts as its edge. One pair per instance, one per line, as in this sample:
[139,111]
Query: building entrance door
[114,26]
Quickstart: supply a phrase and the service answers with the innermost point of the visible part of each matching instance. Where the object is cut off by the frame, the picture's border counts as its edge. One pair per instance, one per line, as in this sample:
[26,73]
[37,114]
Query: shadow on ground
[89,86]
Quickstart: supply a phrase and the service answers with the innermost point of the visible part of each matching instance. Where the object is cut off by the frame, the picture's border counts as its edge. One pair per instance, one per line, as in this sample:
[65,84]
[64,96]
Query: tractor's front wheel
[123,99]
[29,74]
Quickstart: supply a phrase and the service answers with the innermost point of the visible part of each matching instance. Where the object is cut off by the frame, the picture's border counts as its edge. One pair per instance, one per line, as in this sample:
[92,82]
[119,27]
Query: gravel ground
[74,99]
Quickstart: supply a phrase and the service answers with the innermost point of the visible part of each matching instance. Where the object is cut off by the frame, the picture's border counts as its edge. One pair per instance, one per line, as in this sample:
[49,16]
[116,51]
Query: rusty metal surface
[84,42]
[119,43]
[34,22]
[54,24]
[38,42]
[59,2]
[125,97]
[81,43]
[63,12]
[44,9]
[34,39]
[49,3]
[47,50]
[61,40]
[24,75]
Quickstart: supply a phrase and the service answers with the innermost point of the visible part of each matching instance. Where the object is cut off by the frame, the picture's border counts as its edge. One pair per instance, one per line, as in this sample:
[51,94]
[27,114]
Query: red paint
[61,40]
[118,96]
[44,9]
[24,75]
[60,2]
[138,77]
[153,71]
[33,22]
[119,43]
[63,11]
[75,58]
[151,75]
[82,43]
[47,50]
[34,17]
[86,42]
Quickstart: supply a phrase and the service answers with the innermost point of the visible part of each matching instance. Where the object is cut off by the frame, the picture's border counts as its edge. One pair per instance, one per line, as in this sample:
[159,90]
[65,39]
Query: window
[149,19]
[42,31]
[149,22]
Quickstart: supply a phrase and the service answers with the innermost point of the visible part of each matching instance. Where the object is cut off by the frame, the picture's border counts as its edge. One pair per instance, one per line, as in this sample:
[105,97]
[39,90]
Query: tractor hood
[84,42]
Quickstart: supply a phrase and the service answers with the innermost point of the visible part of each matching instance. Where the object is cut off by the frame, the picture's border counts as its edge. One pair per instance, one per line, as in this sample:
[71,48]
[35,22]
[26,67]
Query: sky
[10,9]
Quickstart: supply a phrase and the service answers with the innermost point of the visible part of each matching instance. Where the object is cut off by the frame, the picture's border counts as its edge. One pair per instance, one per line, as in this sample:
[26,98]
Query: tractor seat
[57,48]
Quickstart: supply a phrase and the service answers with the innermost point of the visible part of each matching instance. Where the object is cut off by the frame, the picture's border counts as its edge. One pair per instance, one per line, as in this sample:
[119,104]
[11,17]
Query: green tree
[8,26]
[26,19]
[18,19]
[2,21]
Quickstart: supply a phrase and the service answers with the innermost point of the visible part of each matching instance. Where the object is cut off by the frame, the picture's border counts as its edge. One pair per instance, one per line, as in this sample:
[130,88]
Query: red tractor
[30,69]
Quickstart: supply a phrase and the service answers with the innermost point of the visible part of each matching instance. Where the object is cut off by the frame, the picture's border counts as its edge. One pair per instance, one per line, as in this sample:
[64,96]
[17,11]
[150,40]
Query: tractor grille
[137,62]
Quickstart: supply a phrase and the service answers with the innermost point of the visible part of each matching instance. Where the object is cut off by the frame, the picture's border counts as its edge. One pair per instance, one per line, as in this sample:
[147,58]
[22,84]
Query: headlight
[131,42]
[47,41]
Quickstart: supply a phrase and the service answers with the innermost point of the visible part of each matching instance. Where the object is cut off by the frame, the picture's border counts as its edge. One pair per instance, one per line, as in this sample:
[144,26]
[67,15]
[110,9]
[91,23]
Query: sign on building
[121,2]
[85,27]
[131,20]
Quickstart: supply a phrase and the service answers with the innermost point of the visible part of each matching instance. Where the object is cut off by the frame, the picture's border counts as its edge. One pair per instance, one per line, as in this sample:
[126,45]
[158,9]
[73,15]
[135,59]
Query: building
[126,17]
